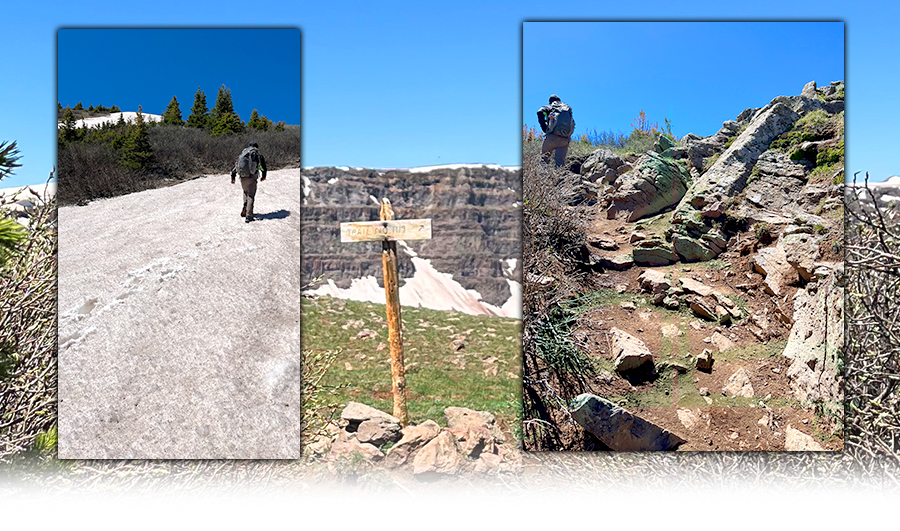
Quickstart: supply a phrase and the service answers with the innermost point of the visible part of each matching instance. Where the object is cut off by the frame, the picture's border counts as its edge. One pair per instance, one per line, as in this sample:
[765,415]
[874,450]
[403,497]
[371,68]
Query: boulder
[378,431]
[414,437]
[654,281]
[801,251]
[440,456]
[460,418]
[702,308]
[692,249]
[657,183]
[598,162]
[797,441]
[619,429]
[693,286]
[771,262]
[629,351]
[618,262]
[739,384]
[654,252]
[355,413]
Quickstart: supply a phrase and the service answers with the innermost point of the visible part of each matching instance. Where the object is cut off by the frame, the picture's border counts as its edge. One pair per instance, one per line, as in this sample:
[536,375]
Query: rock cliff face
[476,227]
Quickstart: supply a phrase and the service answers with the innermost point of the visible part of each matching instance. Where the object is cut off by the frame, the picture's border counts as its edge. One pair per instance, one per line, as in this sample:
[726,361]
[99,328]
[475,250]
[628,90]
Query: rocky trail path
[745,400]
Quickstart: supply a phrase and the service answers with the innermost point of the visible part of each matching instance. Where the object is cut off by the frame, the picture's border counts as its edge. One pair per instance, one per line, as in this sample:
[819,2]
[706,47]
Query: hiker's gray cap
[554,98]
[254,144]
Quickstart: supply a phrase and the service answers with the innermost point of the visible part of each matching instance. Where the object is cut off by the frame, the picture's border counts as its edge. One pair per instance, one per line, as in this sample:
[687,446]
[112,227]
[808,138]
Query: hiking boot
[249,219]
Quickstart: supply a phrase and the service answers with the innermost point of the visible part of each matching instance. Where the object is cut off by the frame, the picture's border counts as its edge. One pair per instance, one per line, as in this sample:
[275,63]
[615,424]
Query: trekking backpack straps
[248,162]
[561,122]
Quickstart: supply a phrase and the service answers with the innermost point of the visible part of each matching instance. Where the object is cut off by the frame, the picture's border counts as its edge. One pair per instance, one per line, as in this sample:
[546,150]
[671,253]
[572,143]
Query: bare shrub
[28,341]
[553,254]
[873,329]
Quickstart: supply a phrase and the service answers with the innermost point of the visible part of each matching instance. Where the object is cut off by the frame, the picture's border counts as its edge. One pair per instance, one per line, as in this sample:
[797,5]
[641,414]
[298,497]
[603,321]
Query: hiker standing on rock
[558,125]
[247,166]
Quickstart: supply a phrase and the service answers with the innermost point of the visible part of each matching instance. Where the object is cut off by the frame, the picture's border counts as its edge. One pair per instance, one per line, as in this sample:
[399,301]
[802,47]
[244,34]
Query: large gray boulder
[654,252]
[630,352]
[619,429]
[655,184]
[817,339]
[602,164]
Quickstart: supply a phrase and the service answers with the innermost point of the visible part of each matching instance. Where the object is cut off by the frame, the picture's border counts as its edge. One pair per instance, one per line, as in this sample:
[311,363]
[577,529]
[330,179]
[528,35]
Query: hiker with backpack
[558,125]
[248,164]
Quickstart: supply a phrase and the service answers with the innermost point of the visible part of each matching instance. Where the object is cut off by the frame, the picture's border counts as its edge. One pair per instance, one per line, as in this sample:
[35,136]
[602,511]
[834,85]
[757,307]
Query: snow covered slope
[179,324]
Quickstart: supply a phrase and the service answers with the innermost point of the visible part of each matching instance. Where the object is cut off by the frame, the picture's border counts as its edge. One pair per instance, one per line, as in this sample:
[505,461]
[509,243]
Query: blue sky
[696,74]
[175,62]
[399,84]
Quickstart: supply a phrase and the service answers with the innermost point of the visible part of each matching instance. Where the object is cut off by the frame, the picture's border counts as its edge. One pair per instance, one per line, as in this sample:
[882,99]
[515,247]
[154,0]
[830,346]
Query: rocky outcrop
[619,429]
[815,345]
[603,166]
[655,184]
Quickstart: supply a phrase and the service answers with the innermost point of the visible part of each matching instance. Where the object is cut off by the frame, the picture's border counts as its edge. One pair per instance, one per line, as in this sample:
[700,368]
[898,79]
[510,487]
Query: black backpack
[560,121]
[248,162]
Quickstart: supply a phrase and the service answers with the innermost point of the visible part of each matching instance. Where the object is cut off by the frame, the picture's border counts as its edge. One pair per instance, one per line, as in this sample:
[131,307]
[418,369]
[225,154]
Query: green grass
[437,376]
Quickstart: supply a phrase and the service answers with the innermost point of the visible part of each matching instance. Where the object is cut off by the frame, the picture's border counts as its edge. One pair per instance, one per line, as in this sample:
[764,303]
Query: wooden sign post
[388,231]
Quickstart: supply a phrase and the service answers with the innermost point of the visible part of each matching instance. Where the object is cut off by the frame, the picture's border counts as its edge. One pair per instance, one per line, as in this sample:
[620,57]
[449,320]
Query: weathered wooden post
[388,231]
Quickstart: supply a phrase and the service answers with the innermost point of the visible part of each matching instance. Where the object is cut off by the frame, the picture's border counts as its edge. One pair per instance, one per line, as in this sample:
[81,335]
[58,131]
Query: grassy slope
[484,375]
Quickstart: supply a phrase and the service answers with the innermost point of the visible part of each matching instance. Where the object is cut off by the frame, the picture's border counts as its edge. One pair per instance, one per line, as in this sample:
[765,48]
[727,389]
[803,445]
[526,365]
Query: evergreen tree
[115,108]
[11,233]
[91,108]
[225,120]
[67,132]
[254,120]
[136,150]
[78,107]
[172,116]
[279,126]
[199,116]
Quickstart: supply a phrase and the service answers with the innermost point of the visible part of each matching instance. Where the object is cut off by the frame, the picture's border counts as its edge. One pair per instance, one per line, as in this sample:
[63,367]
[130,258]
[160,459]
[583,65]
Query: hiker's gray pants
[559,145]
[249,186]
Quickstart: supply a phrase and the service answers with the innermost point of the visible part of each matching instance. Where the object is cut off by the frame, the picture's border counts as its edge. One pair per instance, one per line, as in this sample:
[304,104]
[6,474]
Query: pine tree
[279,126]
[172,116]
[225,120]
[254,120]
[67,132]
[78,107]
[136,150]
[199,116]
[11,233]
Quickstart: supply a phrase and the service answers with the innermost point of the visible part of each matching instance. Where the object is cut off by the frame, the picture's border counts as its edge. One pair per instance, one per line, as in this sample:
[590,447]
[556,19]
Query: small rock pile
[366,438]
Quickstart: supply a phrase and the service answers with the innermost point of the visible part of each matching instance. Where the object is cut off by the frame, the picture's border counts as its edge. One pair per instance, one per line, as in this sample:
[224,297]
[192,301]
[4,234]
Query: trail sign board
[387,231]
[381,231]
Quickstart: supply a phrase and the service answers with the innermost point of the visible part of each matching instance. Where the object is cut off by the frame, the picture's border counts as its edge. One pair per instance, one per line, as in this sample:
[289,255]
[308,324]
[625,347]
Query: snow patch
[511,265]
[306,183]
[333,180]
[128,116]
[428,288]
